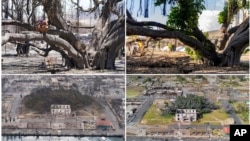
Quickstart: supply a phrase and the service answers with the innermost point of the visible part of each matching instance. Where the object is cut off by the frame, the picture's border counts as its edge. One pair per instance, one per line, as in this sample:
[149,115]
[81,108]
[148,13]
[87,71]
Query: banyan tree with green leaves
[182,24]
[108,36]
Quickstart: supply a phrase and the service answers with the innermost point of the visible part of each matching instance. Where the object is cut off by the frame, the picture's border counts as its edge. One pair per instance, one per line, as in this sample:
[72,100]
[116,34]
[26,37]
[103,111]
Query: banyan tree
[182,24]
[108,36]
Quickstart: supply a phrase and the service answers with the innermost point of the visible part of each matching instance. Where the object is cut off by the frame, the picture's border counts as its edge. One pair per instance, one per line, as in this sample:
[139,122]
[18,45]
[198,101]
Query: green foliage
[201,104]
[134,91]
[194,54]
[206,34]
[242,110]
[184,16]
[166,104]
[245,4]
[180,78]
[222,17]
[230,9]
[40,100]
[245,117]
[159,2]
[155,117]
[170,46]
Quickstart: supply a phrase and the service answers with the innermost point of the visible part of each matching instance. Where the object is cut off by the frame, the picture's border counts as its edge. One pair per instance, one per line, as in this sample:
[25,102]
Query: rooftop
[103,122]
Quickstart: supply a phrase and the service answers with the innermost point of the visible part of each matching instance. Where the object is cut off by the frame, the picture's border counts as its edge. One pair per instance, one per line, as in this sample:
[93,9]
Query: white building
[60,110]
[186,115]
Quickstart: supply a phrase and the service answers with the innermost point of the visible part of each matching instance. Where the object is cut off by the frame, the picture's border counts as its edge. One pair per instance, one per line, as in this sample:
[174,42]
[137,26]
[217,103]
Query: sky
[85,4]
[207,20]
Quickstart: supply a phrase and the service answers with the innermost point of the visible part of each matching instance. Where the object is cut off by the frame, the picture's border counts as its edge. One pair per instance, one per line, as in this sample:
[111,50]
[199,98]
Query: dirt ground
[160,62]
[34,64]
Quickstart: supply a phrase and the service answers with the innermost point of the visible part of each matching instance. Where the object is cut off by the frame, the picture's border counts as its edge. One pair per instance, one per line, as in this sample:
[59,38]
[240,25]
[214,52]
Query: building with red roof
[103,124]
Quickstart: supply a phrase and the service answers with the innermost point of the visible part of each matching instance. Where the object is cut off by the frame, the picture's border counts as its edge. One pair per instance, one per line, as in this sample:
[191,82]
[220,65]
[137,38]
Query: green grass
[244,115]
[215,117]
[155,117]
[134,91]
[217,103]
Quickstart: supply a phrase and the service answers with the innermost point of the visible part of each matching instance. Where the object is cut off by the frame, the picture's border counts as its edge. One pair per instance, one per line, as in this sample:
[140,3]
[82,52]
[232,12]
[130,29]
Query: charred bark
[53,8]
[59,43]
[113,39]
[235,48]
[110,37]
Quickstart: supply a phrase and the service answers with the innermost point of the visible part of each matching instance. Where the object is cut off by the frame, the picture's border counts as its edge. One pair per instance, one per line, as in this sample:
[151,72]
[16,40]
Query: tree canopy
[201,104]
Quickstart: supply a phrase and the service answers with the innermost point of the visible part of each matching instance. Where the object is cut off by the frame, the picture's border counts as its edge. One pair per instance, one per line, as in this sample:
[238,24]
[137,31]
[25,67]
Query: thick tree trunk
[112,40]
[231,55]
[236,45]
[223,37]
[53,8]
[111,60]
[23,49]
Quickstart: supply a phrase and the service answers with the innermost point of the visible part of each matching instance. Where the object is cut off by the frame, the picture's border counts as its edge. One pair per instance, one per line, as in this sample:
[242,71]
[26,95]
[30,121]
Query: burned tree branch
[51,39]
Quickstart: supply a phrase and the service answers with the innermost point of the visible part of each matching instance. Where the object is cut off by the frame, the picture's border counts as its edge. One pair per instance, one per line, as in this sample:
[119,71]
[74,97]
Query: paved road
[142,110]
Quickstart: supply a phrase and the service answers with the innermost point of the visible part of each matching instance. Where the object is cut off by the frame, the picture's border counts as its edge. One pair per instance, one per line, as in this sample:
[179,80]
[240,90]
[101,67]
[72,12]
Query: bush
[170,46]
[196,55]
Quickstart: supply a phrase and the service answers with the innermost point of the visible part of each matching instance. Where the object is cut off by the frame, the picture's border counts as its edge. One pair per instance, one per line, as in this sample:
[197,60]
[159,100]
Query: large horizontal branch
[146,23]
[86,27]
[18,23]
[30,27]
[192,42]
[66,35]
[51,39]
[131,21]
[137,30]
